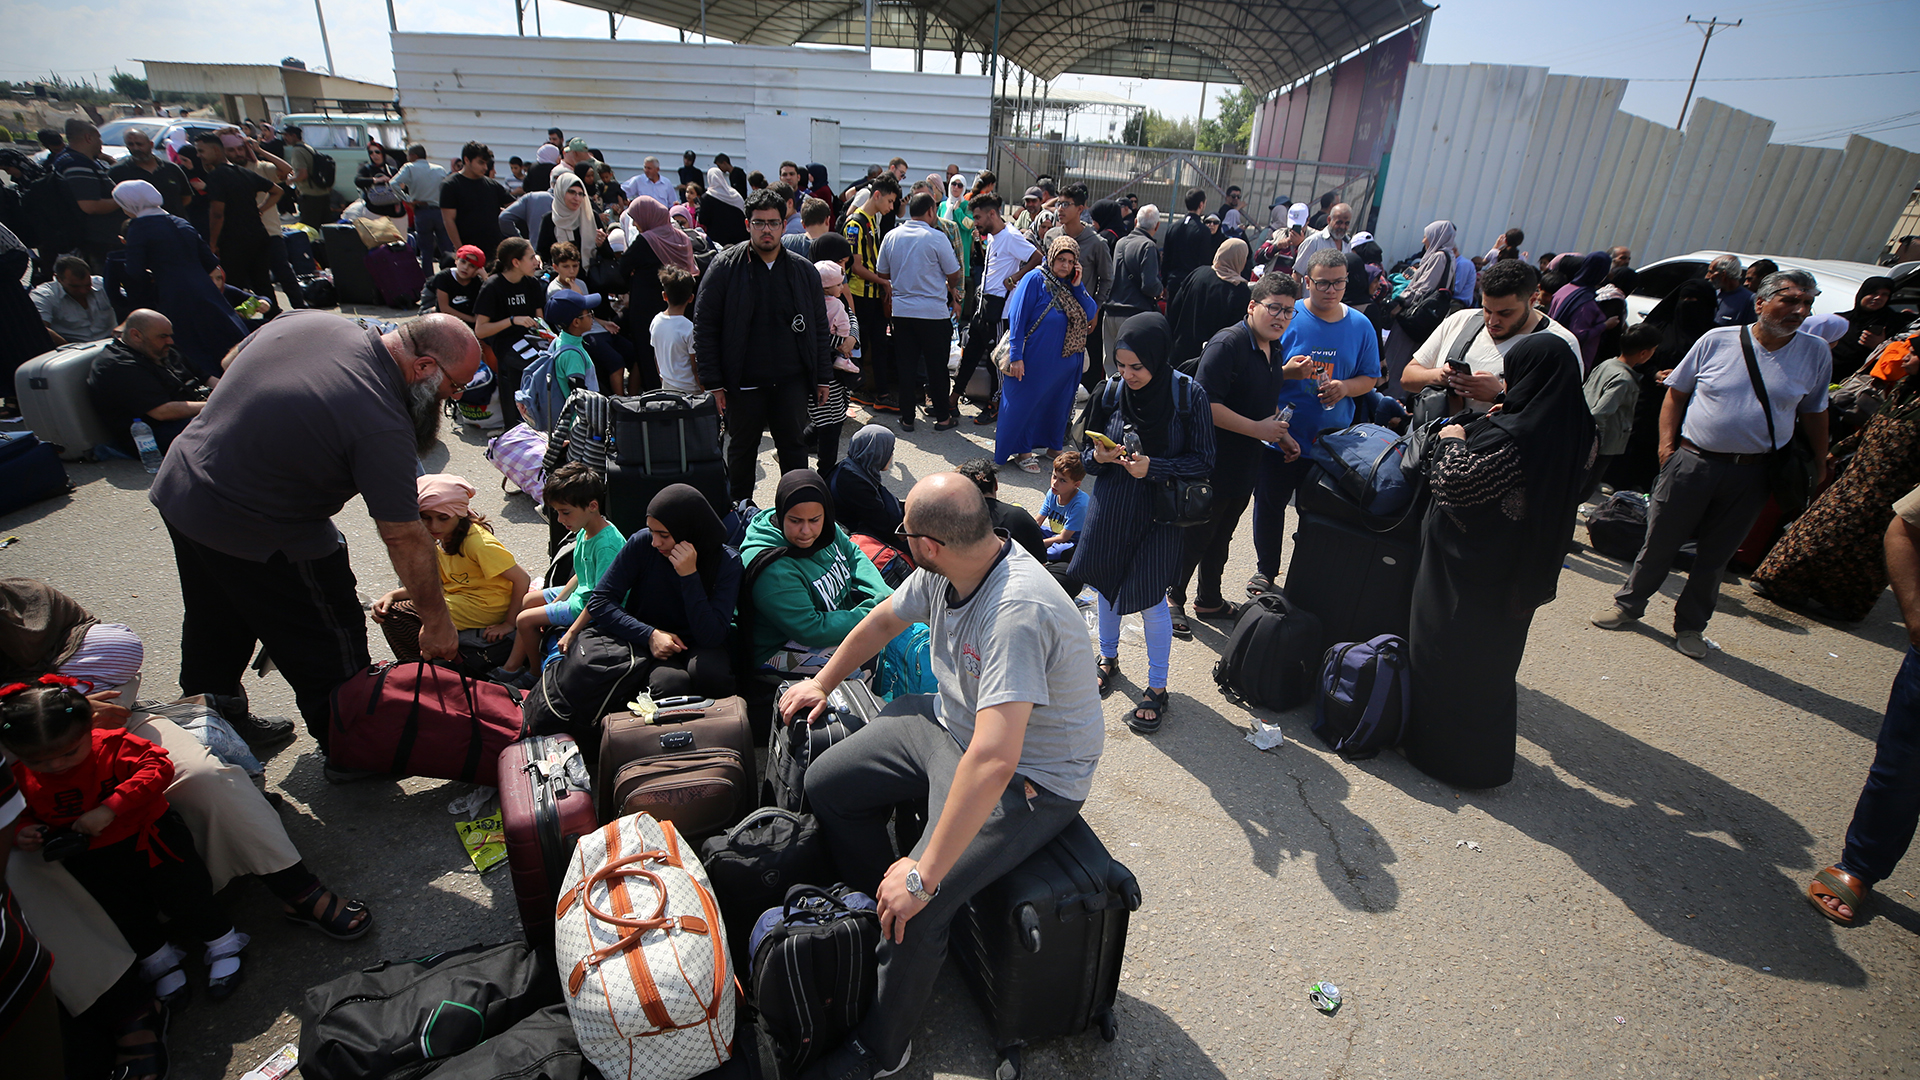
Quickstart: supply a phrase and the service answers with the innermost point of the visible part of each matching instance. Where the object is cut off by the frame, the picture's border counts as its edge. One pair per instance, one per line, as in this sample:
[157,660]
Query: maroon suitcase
[417,718]
[692,766]
[546,804]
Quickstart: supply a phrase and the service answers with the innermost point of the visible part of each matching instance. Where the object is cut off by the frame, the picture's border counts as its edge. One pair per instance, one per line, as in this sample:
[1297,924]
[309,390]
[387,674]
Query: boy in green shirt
[574,493]
[572,315]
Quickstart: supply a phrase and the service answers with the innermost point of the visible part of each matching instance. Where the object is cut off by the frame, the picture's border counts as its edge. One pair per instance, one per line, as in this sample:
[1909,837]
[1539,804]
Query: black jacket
[723,318]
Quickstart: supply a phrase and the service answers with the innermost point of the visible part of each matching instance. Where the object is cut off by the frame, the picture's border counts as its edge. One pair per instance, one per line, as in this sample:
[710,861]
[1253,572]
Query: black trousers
[247,263]
[317,210]
[282,269]
[305,612]
[876,348]
[130,888]
[920,348]
[700,672]
[982,333]
[783,408]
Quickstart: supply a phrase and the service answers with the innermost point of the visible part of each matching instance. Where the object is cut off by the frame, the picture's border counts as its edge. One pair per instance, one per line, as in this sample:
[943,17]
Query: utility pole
[324,43]
[1710,27]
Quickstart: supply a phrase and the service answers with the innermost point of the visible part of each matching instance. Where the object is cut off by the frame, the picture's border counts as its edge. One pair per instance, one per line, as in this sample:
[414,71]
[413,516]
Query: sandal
[1029,463]
[1108,667]
[223,964]
[1259,583]
[1182,629]
[1154,704]
[143,1060]
[987,415]
[1837,884]
[343,920]
[161,969]
[951,422]
[1228,611]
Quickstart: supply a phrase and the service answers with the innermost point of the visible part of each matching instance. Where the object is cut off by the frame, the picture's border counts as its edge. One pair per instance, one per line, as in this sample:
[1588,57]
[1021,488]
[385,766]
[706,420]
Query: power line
[1711,25]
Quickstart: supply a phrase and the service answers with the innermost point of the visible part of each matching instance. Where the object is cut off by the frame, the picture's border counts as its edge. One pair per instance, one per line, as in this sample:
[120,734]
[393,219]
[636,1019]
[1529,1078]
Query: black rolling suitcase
[665,431]
[546,806]
[630,488]
[1351,569]
[791,747]
[347,258]
[1041,947]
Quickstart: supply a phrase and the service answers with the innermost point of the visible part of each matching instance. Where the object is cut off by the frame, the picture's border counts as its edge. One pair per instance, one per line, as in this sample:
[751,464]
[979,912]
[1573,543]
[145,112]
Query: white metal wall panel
[1867,195]
[1628,185]
[1458,151]
[1711,175]
[1569,142]
[1778,210]
[630,99]
[1313,130]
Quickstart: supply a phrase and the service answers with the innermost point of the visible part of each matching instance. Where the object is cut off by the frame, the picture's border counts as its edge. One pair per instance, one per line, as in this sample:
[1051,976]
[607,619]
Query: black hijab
[688,516]
[1848,353]
[1544,416]
[803,486]
[1149,409]
[1109,218]
[1684,315]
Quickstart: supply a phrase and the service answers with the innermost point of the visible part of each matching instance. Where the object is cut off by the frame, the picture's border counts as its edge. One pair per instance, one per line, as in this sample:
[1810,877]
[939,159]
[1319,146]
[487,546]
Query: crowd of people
[1113,346]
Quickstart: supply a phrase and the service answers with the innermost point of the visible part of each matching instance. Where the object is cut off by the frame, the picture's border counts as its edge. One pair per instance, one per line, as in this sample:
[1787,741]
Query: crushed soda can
[1325,996]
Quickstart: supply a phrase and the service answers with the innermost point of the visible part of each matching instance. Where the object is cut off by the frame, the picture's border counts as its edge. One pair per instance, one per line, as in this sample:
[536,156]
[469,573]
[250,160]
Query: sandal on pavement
[1228,611]
[223,964]
[142,1060]
[1258,584]
[951,422]
[1182,629]
[987,415]
[1839,885]
[1029,463]
[161,970]
[1154,704]
[1108,667]
[338,918]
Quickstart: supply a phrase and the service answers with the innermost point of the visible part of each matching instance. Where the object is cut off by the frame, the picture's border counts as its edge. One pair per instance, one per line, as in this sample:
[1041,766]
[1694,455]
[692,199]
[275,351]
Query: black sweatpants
[920,349]
[305,612]
[130,886]
[781,407]
[876,348]
[982,333]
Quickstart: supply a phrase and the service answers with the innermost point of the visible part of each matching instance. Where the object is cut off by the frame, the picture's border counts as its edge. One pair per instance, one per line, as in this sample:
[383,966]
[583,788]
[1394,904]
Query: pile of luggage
[681,909]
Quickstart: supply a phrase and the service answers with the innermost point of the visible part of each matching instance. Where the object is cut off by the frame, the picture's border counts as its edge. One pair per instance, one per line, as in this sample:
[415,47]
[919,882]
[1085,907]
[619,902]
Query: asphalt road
[1632,905]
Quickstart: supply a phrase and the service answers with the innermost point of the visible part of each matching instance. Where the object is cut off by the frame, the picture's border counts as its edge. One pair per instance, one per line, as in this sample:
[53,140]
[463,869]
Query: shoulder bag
[1177,500]
[1421,316]
[1791,469]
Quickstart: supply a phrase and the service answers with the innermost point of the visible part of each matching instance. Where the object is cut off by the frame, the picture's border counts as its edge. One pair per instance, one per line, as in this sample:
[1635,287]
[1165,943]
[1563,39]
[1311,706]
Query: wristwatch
[918,889]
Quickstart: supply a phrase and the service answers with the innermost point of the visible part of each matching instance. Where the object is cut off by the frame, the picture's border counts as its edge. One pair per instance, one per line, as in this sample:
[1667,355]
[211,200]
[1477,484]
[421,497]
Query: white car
[113,134]
[1838,280]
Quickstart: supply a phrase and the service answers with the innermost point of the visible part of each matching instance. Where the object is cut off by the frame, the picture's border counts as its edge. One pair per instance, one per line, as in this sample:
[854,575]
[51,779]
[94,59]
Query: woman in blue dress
[1048,317]
[1160,425]
[169,265]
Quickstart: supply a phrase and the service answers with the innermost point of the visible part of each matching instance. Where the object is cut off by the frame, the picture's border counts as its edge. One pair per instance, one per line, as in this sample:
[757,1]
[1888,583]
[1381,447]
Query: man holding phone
[1506,314]
[1241,370]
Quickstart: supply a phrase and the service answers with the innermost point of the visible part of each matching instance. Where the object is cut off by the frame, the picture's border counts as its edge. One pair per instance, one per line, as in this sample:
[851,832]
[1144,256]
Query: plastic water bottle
[149,449]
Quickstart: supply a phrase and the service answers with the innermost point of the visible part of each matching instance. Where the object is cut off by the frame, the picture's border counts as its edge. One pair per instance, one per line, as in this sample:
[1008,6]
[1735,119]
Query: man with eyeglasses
[1715,439]
[1004,752]
[760,338]
[1241,369]
[1341,349]
[313,410]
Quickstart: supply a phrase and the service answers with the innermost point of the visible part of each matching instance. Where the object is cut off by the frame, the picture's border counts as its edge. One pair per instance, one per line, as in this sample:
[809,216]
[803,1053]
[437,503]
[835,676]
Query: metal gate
[1163,177]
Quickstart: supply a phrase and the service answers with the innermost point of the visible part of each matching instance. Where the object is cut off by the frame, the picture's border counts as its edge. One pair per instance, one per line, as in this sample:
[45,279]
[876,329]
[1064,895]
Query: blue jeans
[1157,621]
[1883,820]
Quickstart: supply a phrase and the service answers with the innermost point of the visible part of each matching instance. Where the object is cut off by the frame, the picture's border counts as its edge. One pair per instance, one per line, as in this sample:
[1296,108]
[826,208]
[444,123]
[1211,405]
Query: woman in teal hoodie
[807,600]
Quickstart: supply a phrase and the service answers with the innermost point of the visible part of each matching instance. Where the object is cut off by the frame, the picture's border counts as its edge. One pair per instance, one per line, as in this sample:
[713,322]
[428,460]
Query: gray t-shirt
[1723,414]
[1017,638]
[918,258]
[311,413]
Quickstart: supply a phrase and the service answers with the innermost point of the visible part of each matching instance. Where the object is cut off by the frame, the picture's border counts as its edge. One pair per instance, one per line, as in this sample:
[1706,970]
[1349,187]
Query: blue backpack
[541,391]
[1364,695]
[1365,463]
[906,664]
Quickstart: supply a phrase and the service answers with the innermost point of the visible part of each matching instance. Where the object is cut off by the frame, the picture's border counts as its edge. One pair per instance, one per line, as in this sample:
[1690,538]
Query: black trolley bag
[792,746]
[663,431]
[1041,947]
[1353,570]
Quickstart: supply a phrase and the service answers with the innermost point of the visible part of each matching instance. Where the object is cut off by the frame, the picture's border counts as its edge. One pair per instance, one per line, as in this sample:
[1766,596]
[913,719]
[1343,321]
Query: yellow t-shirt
[478,592]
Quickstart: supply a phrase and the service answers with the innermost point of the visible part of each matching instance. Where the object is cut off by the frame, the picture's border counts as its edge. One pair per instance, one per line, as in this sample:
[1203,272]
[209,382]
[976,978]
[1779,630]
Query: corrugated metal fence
[1163,177]
[1490,146]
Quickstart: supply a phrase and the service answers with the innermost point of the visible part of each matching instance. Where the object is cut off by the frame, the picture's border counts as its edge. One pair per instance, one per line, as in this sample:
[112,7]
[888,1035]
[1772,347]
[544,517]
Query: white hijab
[576,227]
[721,187]
[138,198]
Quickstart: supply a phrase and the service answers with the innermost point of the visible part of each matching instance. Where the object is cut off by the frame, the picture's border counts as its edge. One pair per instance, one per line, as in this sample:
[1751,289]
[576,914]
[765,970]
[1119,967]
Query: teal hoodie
[814,599]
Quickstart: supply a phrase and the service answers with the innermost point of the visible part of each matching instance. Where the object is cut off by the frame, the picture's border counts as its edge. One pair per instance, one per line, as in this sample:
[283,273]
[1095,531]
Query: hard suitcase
[55,402]
[420,718]
[546,804]
[30,471]
[396,274]
[791,747]
[631,488]
[1359,582]
[1041,947]
[691,764]
[347,258]
[664,431]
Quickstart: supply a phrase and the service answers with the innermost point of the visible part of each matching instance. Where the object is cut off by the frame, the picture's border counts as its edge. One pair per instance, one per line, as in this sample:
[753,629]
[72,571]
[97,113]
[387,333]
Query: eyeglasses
[901,531]
[458,386]
[1329,285]
[761,223]
[1279,311]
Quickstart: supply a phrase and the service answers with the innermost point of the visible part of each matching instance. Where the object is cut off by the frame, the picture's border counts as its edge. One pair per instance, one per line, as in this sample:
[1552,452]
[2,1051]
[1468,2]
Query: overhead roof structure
[1264,44]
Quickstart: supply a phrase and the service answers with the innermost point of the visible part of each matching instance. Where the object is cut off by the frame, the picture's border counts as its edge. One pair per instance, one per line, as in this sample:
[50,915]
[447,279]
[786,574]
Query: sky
[1821,43]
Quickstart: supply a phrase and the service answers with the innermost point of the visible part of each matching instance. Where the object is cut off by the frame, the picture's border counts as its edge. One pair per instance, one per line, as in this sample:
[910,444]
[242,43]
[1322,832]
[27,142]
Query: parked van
[344,138]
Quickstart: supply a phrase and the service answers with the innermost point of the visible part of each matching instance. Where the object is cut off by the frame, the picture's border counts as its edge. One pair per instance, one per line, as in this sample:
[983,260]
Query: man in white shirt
[650,183]
[74,304]
[1334,237]
[1506,315]
[1009,256]
[918,261]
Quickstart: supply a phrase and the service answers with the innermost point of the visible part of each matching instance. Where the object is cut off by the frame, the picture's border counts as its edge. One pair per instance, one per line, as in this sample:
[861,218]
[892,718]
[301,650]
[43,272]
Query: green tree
[1232,128]
[130,85]
[1149,128]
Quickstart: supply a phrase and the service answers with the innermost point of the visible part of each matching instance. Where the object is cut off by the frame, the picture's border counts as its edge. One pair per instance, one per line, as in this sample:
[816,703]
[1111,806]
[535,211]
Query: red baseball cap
[470,254]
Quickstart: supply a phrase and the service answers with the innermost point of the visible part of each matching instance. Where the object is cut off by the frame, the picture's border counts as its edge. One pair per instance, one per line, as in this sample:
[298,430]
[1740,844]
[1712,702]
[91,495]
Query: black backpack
[753,864]
[52,214]
[1273,654]
[815,965]
[401,1018]
[597,676]
[324,170]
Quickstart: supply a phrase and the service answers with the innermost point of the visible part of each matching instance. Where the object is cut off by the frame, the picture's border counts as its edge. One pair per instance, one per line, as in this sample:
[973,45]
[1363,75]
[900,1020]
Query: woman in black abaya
[1504,492]
[1682,317]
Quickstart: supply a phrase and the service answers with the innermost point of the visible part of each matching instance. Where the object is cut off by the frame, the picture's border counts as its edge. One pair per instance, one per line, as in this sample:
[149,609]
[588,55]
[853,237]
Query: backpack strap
[1464,340]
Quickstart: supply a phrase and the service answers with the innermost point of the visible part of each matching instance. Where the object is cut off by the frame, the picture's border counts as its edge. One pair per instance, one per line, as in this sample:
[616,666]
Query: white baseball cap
[1360,238]
[1297,214]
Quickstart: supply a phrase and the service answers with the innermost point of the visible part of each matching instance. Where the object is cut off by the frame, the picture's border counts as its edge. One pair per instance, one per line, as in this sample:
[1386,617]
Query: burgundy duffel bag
[417,718]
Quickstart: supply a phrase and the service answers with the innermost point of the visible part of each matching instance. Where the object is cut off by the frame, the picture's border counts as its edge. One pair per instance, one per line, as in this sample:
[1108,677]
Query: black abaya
[1205,305]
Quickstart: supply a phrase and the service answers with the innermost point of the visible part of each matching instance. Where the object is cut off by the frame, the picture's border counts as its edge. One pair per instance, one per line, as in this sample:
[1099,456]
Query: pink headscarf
[446,493]
[654,223]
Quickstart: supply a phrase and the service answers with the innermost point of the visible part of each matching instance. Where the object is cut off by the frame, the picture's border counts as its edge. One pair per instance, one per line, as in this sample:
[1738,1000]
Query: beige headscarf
[576,227]
[1230,259]
[720,186]
[1061,295]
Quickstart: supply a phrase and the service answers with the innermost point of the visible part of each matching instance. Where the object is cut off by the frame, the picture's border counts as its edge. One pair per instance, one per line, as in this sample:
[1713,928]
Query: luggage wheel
[1109,1027]
[1010,1067]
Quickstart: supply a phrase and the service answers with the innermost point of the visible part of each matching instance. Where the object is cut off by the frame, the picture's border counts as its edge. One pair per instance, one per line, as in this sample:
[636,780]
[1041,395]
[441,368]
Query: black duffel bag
[402,1019]
[665,432]
[1617,528]
[318,291]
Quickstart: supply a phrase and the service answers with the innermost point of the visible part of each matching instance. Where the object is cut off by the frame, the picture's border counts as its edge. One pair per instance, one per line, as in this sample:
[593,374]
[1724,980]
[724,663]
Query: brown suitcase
[672,768]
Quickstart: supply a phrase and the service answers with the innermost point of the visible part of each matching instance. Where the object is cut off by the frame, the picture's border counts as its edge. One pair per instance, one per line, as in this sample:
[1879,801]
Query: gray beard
[423,405]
